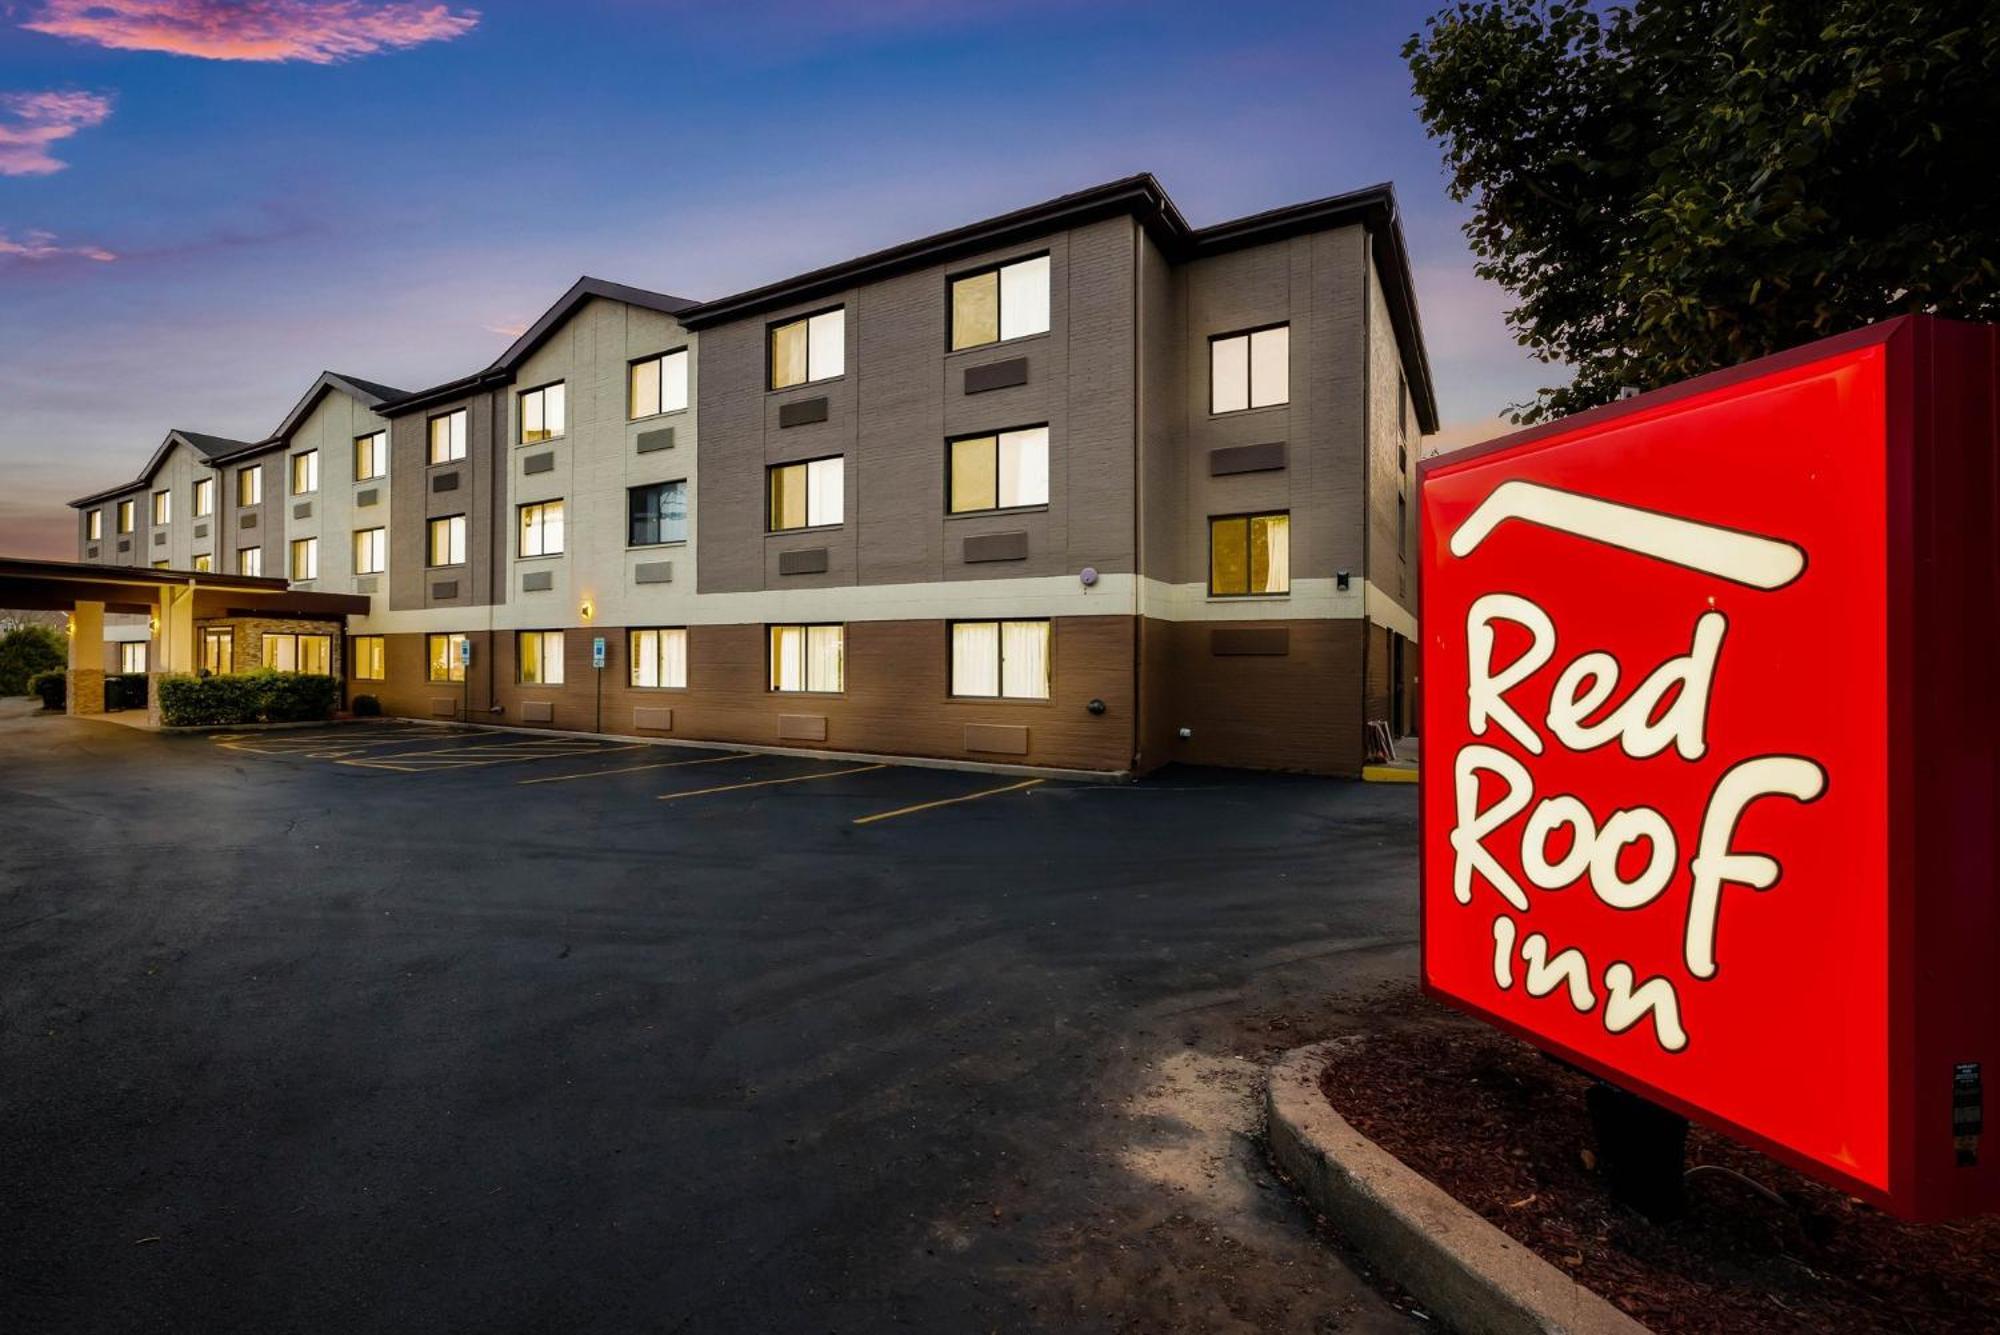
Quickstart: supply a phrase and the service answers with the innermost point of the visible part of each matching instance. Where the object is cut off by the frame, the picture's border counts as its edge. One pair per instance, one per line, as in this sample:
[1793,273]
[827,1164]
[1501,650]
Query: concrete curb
[1470,1273]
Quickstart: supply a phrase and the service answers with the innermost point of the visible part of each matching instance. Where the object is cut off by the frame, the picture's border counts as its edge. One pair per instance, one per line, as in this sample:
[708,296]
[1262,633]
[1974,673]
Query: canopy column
[86,658]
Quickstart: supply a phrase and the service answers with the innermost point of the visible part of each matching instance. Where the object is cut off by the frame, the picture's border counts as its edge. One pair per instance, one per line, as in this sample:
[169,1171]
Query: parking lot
[390,1026]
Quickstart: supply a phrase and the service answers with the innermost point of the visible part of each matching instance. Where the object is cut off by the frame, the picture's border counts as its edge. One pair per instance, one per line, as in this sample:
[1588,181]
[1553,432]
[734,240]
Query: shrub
[27,651]
[53,687]
[367,706]
[265,696]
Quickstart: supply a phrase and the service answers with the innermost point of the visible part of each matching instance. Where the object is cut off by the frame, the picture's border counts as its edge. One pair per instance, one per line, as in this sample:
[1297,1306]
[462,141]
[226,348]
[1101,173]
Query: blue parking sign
[597,651]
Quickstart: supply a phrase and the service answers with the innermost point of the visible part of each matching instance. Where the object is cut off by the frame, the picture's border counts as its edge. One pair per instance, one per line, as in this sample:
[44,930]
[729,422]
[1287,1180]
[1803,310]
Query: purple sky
[204,204]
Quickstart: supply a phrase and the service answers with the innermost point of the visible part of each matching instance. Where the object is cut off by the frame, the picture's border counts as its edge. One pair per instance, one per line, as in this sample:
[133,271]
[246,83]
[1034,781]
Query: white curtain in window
[1277,552]
[673,381]
[1024,659]
[645,658]
[1024,467]
[281,652]
[826,345]
[673,658]
[825,485]
[1024,298]
[1229,374]
[975,658]
[552,657]
[824,650]
[1270,366]
[315,654]
[788,658]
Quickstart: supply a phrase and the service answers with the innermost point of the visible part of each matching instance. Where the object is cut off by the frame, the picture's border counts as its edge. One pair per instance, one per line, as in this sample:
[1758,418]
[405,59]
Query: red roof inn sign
[1709,748]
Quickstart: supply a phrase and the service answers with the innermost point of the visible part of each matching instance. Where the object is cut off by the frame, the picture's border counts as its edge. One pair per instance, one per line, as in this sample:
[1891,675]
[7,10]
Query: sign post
[597,662]
[1708,744]
[465,675]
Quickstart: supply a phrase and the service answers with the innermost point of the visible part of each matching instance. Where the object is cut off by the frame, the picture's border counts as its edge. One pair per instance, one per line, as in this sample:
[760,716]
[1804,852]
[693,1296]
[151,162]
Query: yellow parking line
[633,769]
[946,801]
[766,783]
[477,757]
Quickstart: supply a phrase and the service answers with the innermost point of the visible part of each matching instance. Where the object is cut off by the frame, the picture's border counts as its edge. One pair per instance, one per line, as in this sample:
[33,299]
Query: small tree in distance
[1687,184]
[28,651]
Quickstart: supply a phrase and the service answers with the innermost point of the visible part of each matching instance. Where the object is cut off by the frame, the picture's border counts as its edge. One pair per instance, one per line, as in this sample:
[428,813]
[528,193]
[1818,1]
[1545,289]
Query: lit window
[249,560]
[541,657]
[305,473]
[1010,301]
[542,413]
[94,525]
[162,565]
[658,514]
[1249,554]
[659,658]
[658,385]
[132,656]
[163,507]
[298,653]
[806,495]
[218,649]
[998,471]
[128,513]
[1006,660]
[808,658]
[447,655]
[203,562]
[447,435]
[371,456]
[1250,370]
[447,541]
[369,654]
[542,529]
[204,497]
[305,558]
[250,485]
[371,551]
[809,349]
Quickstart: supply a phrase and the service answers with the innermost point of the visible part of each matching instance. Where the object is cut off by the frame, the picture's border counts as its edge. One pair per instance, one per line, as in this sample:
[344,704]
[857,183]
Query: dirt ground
[1504,1129]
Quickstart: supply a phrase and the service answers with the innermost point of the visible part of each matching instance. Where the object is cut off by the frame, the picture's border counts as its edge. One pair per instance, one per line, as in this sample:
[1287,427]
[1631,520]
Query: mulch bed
[1502,1128]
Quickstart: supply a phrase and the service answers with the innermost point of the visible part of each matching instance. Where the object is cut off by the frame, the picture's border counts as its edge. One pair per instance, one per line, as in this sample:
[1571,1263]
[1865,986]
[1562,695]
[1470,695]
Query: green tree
[26,651]
[1687,184]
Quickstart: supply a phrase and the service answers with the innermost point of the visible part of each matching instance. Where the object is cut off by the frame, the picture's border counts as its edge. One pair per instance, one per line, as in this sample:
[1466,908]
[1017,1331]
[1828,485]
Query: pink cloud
[319,32]
[34,247]
[31,122]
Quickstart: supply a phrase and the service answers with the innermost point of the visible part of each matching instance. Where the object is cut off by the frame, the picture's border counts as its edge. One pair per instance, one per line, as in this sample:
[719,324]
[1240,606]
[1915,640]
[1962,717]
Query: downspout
[1139,702]
[497,537]
[1367,459]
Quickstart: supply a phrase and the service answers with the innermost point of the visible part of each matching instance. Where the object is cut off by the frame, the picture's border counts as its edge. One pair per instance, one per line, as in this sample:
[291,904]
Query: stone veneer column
[86,659]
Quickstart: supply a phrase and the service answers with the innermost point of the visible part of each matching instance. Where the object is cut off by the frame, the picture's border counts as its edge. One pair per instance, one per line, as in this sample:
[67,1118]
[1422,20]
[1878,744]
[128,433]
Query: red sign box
[1708,747]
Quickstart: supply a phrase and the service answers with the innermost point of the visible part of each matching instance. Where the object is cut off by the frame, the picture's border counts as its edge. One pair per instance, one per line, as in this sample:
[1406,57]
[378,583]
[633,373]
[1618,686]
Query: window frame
[298,639]
[430,437]
[163,507]
[258,549]
[93,525]
[128,516]
[952,280]
[541,638]
[1249,370]
[430,541]
[521,398]
[249,479]
[378,453]
[951,458]
[381,566]
[204,563]
[310,546]
[771,471]
[631,514]
[453,664]
[771,630]
[201,501]
[1000,625]
[659,360]
[771,329]
[521,552]
[125,648]
[376,655]
[224,636]
[310,458]
[633,659]
[1247,516]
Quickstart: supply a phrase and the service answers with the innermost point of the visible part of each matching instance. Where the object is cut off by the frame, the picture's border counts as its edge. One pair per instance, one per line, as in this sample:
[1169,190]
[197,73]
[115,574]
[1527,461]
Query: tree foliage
[26,651]
[1687,184]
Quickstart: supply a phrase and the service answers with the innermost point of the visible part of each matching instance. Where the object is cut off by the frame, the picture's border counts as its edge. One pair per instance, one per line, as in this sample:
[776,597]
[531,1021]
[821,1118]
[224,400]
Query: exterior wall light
[585,609]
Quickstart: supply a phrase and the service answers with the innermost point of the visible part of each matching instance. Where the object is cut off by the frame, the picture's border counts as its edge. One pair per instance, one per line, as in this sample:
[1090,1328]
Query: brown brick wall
[1299,710]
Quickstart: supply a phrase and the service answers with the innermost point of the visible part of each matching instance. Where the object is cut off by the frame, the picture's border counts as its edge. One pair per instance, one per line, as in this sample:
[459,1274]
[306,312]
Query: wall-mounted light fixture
[585,608]
[1340,580]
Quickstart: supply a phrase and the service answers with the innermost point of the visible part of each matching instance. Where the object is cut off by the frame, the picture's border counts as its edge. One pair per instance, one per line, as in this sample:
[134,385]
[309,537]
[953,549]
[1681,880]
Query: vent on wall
[368,497]
[160,538]
[444,588]
[545,462]
[660,438]
[247,521]
[1233,459]
[996,547]
[537,581]
[445,482]
[801,412]
[806,561]
[996,375]
[653,572]
[303,510]
[201,530]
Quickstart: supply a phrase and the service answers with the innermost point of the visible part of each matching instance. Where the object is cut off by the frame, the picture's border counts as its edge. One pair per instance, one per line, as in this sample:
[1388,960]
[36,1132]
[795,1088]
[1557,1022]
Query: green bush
[53,687]
[27,651]
[265,696]
[367,706]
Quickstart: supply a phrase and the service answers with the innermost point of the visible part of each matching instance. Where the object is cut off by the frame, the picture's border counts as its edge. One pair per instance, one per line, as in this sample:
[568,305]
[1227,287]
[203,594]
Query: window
[1402,525]
[203,562]
[541,414]
[1000,659]
[163,565]
[659,513]
[163,507]
[808,658]
[447,541]
[299,653]
[1249,554]
[999,471]
[1011,301]
[127,515]
[542,529]
[218,649]
[371,456]
[806,495]
[369,654]
[250,485]
[371,551]
[447,434]
[305,558]
[249,560]
[658,385]
[204,497]
[94,525]
[809,349]
[305,472]
[540,654]
[1250,370]
[659,658]
[447,654]
[132,656]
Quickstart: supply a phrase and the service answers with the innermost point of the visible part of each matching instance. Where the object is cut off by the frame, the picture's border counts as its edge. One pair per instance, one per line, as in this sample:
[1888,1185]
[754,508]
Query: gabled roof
[208,447]
[366,392]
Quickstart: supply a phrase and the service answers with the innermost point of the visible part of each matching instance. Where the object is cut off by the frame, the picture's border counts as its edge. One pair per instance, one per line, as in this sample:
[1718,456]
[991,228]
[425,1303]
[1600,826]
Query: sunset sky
[204,204]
